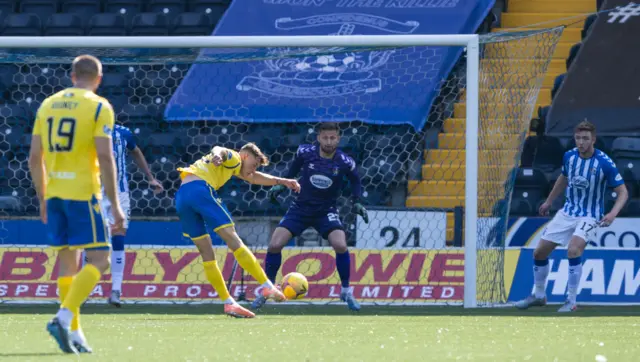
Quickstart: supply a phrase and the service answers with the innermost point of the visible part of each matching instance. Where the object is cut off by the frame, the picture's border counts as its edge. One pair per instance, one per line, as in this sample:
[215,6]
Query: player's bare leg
[574,254]
[279,239]
[338,241]
[117,267]
[214,275]
[249,263]
[540,274]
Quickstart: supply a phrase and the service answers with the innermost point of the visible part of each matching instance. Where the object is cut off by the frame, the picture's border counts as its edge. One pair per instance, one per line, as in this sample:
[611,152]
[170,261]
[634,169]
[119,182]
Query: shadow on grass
[332,310]
[30,354]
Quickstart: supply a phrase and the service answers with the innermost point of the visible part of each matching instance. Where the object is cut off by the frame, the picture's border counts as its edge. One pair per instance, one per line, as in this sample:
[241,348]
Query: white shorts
[125,204]
[562,227]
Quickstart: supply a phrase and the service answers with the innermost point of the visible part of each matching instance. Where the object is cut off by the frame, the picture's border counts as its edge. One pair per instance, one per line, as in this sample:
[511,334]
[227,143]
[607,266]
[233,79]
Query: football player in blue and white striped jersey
[123,144]
[586,174]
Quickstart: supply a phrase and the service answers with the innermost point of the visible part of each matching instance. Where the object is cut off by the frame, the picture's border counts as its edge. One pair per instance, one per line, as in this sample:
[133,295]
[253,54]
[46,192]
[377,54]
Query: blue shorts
[199,207]
[296,222]
[76,224]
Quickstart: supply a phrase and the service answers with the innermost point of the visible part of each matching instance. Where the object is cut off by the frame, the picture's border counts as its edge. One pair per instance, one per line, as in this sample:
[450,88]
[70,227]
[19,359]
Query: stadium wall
[163,267]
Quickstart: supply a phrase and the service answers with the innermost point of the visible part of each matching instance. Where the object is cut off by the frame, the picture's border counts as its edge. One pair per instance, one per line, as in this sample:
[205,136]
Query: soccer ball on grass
[294,286]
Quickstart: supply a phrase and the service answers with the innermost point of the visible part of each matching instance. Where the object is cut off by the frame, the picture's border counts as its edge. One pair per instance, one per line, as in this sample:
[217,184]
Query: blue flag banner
[382,86]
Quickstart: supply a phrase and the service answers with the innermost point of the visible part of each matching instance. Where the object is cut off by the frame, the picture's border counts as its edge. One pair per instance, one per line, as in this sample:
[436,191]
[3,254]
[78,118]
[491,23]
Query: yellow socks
[214,276]
[64,284]
[81,287]
[248,262]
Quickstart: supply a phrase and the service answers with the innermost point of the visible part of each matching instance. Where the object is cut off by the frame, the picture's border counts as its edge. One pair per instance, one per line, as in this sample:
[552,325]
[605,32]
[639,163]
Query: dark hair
[328,126]
[586,126]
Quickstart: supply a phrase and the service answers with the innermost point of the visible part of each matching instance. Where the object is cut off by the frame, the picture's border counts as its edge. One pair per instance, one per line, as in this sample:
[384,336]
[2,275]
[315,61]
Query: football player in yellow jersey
[199,207]
[70,149]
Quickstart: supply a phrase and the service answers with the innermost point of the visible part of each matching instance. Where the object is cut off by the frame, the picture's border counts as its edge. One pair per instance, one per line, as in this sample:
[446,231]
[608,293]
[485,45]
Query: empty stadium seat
[191,24]
[64,25]
[42,8]
[149,24]
[107,25]
[84,8]
[521,207]
[170,8]
[626,153]
[214,9]
[126,8]
[542,152]
[6,7]
[531,185]
[22,25]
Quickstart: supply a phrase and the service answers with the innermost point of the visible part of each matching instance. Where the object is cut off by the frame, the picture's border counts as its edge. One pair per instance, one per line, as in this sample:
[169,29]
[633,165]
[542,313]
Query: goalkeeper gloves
[273,193]
[360,210]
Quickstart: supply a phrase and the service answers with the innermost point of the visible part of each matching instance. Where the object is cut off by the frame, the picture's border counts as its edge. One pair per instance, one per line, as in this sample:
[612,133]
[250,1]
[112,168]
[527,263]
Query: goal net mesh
[413,178]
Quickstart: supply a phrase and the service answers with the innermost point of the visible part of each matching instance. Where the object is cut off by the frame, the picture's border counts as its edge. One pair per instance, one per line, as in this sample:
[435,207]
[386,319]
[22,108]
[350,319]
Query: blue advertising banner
[387,86]
[608,276]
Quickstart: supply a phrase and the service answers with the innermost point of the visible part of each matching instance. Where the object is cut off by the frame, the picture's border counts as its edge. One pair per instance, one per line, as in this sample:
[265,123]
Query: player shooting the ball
[199,207]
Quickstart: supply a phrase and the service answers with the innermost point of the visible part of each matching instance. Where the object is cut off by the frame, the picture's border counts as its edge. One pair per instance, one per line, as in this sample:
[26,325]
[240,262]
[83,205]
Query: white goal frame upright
[469,41]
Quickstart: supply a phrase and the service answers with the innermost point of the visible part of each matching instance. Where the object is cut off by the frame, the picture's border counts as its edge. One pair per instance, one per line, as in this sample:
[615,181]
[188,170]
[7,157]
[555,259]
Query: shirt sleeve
[354,178]
[614,179]
[565,160]
[296,165]
[131,140]
[105,119]
[233,161]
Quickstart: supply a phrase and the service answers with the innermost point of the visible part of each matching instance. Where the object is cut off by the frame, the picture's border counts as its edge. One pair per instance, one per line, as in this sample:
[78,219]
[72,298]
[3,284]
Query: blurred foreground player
[123,143]
[199,208]
[324,168]
[586,173]
[70,149]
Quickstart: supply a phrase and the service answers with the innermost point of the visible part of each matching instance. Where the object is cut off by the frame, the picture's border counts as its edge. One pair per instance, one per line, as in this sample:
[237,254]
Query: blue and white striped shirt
[123,141]
[587,183]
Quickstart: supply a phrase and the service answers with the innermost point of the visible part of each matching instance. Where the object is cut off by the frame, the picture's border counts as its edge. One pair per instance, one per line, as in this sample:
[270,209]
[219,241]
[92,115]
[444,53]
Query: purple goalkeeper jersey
[322,179]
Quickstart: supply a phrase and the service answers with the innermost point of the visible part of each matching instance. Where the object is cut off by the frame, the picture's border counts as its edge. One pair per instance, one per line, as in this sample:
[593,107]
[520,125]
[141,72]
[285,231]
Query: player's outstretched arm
[356,190]
[38,173]
[141,161]
[259,178]
[559,187]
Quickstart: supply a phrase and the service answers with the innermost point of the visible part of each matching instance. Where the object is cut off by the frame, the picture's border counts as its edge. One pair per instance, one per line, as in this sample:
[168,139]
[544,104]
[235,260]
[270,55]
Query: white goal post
[469,42]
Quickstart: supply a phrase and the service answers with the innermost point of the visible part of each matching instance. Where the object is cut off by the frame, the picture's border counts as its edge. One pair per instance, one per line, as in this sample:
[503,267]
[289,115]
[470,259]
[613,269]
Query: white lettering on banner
[333,293]
[447,292]
[400,229]
[171,290]
[592,276]
[97,291]
[624,270]
[427,292]
[369,292]
[193,291]
[149,289]
[406,290]
[623,13]
[21,288]
[41,290]
[559,278]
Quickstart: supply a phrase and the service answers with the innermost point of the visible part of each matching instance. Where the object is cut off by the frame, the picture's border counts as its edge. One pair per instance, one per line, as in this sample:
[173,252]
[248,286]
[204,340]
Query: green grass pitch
[330,333]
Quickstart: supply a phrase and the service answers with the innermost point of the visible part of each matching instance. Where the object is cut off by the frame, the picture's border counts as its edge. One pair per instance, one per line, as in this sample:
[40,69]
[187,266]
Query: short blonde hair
[586,126]
[253,149]
[86,67]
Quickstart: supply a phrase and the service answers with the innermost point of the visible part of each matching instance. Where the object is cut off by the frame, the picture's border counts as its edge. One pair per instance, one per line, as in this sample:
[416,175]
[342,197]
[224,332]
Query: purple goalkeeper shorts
[296,222]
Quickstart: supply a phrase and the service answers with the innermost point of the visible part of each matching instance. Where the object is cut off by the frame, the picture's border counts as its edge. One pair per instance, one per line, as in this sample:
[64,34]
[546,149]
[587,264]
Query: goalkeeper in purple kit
[323,168]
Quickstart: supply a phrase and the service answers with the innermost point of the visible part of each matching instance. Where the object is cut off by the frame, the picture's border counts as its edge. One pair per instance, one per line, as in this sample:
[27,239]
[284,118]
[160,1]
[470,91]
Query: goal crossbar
[469,41]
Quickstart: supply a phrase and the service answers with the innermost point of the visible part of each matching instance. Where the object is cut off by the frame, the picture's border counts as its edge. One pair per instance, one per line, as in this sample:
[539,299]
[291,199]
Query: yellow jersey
[67,123]
[216,176]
